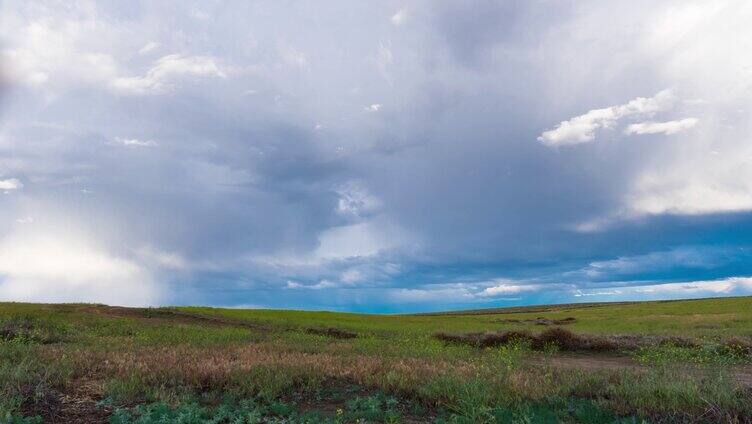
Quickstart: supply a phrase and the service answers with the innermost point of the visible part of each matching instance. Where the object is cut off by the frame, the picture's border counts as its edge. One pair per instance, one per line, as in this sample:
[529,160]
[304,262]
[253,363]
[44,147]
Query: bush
[554,338]
[737,347]
[335,333]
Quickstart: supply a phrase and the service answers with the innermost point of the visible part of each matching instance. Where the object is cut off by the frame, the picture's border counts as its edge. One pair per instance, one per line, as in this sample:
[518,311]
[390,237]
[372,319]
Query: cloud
[668,128]
[46,265]
[292,56]
[46,51]
[323,284]
[451,294]
[698,195]
[583,128]
[148,47]
[685,257]
[133,142]
[11,184]
[352,276]
[689,289]
[399,17]
[157,78]
[355,201]
[507,288]
[162,259]
[421,181]
[357,240]
[384,60]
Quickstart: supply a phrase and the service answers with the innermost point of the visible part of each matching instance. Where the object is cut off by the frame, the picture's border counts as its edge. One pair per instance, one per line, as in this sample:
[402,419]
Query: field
[677,361]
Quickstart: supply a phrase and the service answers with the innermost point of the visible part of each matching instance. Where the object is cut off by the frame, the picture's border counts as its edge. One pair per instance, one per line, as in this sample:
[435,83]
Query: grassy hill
[678,361]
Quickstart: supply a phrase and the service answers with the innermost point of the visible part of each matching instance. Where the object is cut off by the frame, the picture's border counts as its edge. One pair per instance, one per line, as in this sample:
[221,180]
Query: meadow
[670,361]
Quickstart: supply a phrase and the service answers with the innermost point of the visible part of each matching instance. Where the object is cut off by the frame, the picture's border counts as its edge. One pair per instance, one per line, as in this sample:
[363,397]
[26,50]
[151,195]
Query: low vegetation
[553,339]
[687,361]
[336,333]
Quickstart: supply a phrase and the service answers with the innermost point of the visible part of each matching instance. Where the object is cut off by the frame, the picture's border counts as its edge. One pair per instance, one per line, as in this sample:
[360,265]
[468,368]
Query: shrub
[564,339]
[737,347]
[556,338]
[335,333]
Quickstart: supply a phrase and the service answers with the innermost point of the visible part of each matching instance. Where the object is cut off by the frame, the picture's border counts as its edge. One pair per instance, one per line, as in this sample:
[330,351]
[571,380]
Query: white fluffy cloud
[48,51]
[61,51]
[10,184]
[583,128]
[721,287]
[507,288]
[133,142]
[668,128]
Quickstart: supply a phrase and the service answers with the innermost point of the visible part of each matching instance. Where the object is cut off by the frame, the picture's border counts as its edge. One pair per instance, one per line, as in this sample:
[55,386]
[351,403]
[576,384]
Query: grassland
[679,361]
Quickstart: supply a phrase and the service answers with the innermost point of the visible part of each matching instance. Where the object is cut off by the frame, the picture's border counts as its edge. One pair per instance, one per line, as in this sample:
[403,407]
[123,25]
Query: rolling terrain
[677,361]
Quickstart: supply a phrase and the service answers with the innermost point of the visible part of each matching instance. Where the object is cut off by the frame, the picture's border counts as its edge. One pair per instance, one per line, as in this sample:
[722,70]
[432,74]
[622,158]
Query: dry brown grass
[250,368]
[260,370]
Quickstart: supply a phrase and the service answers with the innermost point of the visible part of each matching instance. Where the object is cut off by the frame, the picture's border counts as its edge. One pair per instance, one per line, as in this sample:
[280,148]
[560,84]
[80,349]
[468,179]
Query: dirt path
[590,362]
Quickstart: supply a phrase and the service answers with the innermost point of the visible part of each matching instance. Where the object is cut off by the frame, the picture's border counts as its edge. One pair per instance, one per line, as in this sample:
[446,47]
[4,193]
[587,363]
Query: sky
[391,156]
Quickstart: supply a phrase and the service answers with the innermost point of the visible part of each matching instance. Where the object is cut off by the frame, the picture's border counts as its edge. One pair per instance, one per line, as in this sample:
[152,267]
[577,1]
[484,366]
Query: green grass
[197,364]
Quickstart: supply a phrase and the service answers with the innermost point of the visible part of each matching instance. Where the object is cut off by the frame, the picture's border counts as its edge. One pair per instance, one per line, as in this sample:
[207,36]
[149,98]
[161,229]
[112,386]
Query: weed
[728,353]
[25,330]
